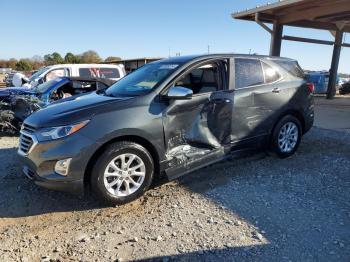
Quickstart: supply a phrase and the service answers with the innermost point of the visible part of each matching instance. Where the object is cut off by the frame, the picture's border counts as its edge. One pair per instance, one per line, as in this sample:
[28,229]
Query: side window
[271,74]
[60,72]
[84,72]
[248,72]
[80,87]
[99,72]
[292,67]
[62,92]
[109,73]
[203,79]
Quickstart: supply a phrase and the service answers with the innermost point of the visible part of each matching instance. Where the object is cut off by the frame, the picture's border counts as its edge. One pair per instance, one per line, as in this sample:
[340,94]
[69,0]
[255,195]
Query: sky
[152,28]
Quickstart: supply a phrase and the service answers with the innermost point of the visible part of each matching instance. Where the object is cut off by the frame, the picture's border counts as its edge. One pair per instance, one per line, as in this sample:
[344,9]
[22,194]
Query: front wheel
[286,136]
[122,173]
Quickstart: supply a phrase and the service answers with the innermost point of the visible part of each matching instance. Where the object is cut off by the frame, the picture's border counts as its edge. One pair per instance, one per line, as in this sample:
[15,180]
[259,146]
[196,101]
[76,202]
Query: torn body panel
[196,131]
[14,110]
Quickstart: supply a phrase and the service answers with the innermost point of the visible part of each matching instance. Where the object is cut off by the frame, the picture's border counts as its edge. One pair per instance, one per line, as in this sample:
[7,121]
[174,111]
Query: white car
[113,72]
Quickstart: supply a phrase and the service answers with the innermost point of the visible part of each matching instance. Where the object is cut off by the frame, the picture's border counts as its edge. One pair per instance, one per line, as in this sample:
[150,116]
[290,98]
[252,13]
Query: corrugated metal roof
[319,14]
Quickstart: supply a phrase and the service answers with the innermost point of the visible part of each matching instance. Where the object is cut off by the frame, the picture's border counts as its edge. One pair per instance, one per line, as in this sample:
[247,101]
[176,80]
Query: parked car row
[167,118]
[345,88]
[48,73]
[17,103]
[8,79]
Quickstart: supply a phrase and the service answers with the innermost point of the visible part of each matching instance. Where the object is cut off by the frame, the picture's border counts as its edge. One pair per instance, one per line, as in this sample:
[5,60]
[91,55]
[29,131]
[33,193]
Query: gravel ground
[256,209]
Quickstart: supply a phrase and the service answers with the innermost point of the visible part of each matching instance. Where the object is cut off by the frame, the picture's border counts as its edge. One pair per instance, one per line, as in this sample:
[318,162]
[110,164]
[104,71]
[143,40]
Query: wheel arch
[130,138]
[294,113]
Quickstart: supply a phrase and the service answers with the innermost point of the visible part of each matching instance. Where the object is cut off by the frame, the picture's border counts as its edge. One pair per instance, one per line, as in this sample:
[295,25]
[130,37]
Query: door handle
[276,90]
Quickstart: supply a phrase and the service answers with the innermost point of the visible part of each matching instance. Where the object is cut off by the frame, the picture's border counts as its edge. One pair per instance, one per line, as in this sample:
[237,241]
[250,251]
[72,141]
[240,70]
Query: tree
[12,63]
[112,59]
[90,57]
[70,58]
[23,65]
[53,59]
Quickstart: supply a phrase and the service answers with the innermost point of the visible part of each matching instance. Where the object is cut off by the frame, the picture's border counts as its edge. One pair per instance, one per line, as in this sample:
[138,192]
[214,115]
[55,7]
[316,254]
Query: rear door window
[248,72]
[101,72]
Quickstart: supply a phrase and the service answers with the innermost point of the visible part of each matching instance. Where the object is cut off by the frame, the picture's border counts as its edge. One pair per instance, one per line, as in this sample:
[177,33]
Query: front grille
[28,129]
[25,143]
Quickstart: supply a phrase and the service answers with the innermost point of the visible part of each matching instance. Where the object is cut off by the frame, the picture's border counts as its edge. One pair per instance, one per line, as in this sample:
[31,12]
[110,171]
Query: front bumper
[74,187]
[39,162]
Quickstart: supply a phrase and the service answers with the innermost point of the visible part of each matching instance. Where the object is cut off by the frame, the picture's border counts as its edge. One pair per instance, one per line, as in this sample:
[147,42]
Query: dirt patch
[261,209]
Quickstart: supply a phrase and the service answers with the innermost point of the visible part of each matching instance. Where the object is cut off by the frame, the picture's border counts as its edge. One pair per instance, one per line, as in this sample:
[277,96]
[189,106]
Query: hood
[75,109]
[16,91]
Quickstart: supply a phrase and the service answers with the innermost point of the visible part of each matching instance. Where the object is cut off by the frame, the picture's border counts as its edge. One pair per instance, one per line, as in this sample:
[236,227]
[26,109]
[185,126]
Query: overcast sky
[139,28]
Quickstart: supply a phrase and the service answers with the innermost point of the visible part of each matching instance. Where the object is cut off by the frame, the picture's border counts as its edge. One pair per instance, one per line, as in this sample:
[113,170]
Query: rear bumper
[309,122]
[309,117]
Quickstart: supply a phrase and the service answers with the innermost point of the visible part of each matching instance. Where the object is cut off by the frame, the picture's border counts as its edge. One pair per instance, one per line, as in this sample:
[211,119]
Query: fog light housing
[62,166]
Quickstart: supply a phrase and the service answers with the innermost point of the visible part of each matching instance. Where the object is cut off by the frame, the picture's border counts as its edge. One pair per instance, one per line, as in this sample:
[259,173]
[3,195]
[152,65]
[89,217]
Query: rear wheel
[122,173]
[286,136]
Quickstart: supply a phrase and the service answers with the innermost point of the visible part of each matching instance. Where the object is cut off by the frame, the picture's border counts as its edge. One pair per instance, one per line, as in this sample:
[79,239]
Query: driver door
[197,129]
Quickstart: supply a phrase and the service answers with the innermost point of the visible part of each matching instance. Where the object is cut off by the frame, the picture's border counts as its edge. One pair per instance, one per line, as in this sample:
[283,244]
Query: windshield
[143,80]
[38,73]
[40,89]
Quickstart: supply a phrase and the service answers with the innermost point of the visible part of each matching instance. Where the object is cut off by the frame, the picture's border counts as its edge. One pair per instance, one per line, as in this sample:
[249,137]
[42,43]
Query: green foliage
[90,57]
[70,58]
[24,65]
[53,59]
[36,62]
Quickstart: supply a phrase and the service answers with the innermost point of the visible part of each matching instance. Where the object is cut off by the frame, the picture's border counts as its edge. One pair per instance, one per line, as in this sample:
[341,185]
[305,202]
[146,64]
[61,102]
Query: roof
[81,65]
[318,14]
[134,59]
[189,58]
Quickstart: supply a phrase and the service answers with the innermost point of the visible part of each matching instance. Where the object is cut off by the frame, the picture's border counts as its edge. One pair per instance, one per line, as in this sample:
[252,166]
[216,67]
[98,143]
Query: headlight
[52,133]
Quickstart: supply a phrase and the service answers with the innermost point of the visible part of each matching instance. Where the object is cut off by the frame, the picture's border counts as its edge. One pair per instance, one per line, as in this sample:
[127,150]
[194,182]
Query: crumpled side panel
[194,130]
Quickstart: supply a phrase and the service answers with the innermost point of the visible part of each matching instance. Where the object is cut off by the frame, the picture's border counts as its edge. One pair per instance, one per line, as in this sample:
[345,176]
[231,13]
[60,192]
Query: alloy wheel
[124,175]
[288,137]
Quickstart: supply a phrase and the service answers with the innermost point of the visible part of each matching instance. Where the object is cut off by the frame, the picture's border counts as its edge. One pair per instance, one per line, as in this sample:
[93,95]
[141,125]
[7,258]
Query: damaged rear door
[197,130]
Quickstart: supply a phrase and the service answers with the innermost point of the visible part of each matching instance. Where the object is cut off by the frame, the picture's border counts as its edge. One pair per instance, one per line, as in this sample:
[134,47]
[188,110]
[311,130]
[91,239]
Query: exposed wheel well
[294,113]
[136,139]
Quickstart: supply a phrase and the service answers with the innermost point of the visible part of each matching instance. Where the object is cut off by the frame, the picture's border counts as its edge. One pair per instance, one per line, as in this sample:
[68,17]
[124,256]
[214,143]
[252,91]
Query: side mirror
[41,81]
[179,92]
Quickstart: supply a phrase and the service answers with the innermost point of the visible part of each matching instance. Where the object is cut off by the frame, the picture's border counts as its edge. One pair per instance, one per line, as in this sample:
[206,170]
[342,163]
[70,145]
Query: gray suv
[167,118]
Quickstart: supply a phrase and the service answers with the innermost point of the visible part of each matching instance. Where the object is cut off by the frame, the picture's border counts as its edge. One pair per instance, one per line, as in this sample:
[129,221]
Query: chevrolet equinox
[167,118]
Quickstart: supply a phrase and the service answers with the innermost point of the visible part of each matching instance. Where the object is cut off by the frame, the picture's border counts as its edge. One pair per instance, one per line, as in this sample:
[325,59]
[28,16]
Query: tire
[119,184]
[286,145]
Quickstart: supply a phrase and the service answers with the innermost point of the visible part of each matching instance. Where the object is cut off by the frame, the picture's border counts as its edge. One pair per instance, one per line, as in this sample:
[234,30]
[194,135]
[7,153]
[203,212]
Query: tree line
[36,62]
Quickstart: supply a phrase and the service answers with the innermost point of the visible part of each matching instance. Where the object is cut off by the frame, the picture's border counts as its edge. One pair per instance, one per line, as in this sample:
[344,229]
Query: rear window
[99,72]
[248,73]
[292,67]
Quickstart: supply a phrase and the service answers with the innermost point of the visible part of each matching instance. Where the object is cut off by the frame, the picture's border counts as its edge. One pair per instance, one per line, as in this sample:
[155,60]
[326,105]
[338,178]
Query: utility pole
[208,49]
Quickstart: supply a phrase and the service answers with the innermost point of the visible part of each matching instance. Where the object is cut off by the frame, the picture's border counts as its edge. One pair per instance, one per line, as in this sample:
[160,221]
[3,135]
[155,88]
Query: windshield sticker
[169,66]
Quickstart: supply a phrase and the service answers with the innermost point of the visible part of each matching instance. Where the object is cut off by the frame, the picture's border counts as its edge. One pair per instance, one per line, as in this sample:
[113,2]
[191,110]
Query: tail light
[311,87]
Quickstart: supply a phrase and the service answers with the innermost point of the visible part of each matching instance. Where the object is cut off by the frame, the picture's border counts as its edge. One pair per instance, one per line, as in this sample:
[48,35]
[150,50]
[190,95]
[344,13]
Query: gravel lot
[256,209]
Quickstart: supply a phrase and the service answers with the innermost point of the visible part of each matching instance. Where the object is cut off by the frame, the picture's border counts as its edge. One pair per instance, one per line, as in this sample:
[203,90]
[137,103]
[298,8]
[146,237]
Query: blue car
[17,103]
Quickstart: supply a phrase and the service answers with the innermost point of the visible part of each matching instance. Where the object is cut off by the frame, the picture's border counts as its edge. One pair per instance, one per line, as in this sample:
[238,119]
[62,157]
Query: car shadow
[246,253]
[20,197]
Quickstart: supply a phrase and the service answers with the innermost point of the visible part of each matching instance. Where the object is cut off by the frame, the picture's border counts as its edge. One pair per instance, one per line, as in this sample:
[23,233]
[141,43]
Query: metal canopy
[332,15]
[319,14]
